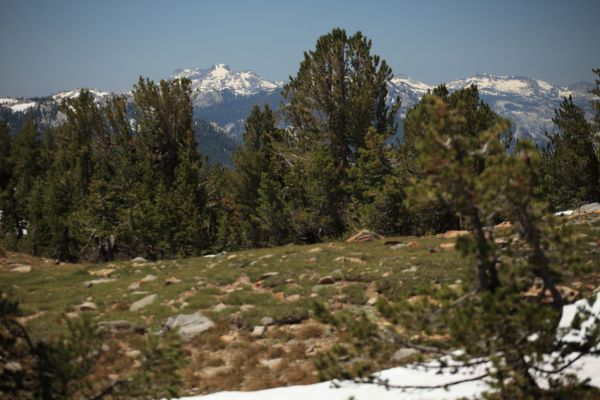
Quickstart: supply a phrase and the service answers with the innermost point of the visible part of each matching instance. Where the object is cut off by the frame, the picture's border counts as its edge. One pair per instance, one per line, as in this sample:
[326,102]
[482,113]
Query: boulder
[139,260]
[535,292]
[293,298]
[447,246]
[364,236]
[266,321]
[105,272]
[143,302]
[189,325]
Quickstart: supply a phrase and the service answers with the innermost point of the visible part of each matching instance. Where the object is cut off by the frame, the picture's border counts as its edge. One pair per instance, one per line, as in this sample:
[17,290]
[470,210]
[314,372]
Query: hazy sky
[47,46]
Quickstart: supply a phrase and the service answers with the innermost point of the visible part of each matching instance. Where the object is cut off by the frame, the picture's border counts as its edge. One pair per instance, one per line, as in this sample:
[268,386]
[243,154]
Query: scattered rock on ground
[266,321]
[535,292]
[413,245]
[258,331]
[190,325]
[20,268]
[93,282]
[143,302]
[220,307]
[404,353]
[293,298]
[326,280]
[139,260]
[453,234]
[102,272]
[246,307]
[372,301]
[268,275]
[121,326]
[364,236]
[87,306]
[13,366]
[271,363]
[353,260]
[315,250]
[447,246]
[172,280]
[503,225]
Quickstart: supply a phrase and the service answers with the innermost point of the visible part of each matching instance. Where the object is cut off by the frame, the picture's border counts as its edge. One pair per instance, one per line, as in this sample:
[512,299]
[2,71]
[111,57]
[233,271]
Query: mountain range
[223,99]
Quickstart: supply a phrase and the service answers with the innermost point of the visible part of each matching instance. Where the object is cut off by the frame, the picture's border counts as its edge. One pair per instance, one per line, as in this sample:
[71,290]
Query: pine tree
[570,165]
[6,179]
[338,94]
[254,161]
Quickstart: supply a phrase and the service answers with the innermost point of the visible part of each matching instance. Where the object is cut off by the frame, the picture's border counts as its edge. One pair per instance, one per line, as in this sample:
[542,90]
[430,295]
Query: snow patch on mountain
[73,94]
[22,107]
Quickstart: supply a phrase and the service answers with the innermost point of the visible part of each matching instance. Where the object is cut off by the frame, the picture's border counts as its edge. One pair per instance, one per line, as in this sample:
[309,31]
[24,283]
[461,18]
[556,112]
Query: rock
[404,353]
[411,269]
[190,325]
[453,234]
[272,363]
[353,260]
[20,268]
[211,372]
[72,315]
[447,246]
[588,208]
[172,280]
[372,301]
[258,331]
[139,260]
[293,298]
[220,307]
[315,250]
[134,286]
[87,306]
[13,366]
[364,236]
[246,307]
[93,282]
[266,321]
[133,353]
[105,272]
[143,302]
[268,275]
[148,278]
[391,242]
[120,326]
[227,339]
[503,225]
[535,292]
[326,280]
[413,245]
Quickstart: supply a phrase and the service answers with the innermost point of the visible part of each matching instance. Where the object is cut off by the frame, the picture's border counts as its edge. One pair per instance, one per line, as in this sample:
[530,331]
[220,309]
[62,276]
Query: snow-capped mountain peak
[220,78]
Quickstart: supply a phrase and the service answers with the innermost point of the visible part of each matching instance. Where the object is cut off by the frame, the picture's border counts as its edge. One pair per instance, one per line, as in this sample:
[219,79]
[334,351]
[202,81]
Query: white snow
[73,94]
[22,107]
[586,367]
[6,100]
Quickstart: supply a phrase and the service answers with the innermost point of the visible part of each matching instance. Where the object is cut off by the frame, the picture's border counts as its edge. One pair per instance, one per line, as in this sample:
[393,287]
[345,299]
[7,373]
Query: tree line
[118,181]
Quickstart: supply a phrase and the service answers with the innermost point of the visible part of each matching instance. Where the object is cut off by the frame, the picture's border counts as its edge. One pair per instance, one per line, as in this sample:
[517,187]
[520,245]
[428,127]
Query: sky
[48,46]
